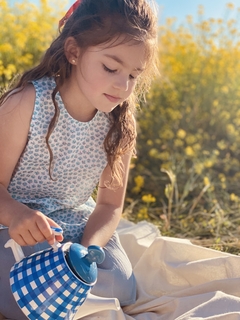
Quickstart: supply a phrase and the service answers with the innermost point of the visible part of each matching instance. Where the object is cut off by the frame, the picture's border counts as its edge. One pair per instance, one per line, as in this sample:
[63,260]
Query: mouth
[112,98]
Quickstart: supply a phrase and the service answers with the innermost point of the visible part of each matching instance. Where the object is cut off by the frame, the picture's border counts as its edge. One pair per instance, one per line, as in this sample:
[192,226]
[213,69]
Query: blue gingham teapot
[53,283]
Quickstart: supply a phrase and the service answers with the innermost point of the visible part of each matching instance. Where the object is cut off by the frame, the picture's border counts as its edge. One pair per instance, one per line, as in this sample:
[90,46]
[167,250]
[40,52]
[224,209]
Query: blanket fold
[177,280]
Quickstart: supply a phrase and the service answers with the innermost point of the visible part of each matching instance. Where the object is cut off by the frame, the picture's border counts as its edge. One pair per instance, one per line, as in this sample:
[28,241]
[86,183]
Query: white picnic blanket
[177,280]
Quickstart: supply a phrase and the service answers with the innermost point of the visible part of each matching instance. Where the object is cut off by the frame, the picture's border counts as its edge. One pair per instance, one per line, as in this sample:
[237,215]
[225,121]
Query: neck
[74,104]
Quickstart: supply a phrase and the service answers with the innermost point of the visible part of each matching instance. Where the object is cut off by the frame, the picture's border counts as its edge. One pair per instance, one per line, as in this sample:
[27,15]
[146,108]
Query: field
[186,176]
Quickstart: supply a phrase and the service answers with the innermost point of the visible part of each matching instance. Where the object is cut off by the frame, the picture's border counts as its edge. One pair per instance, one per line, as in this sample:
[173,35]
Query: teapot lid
[83,261]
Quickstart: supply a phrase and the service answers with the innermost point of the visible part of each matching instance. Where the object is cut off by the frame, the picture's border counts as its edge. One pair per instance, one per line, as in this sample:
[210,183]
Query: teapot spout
[16,249]
[95,304]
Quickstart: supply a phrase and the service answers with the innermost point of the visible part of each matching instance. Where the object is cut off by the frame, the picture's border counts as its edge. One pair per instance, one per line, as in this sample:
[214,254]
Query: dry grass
[217,228]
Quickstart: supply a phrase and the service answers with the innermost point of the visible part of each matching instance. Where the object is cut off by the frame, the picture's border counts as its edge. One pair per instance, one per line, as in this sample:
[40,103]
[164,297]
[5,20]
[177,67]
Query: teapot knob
[83,261]
[95,254]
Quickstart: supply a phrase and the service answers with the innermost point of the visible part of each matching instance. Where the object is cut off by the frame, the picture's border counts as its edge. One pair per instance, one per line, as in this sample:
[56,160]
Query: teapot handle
[16,249]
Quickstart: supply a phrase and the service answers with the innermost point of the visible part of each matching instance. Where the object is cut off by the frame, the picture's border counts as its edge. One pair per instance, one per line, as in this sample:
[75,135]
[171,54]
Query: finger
[57,231]
[58,237]
[51,240]
[44,228]
[22,242]
[22,238]
[52,223]
[28,238]
[19,240]
[47,232]
[54,238]
[37,235]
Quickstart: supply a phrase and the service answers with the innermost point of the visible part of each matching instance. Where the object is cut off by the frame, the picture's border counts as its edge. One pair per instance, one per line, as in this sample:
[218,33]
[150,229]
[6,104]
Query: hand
[29,227]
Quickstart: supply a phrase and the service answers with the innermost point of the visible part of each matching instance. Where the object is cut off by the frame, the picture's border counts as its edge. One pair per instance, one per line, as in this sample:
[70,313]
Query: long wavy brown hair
[96,22]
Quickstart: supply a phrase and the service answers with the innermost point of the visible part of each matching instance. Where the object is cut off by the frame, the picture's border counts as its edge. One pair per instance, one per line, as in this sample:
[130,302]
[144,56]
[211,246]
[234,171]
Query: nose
[121,83]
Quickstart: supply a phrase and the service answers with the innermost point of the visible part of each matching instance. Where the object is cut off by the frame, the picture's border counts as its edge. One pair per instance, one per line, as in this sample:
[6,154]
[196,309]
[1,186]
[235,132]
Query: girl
[68,125]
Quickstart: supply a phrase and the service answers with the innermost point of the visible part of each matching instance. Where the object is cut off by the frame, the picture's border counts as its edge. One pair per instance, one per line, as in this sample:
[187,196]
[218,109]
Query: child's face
[105,77]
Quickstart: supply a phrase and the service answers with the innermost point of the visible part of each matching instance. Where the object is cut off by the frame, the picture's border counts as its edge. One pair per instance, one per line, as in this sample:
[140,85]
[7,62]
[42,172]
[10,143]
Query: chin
[107,110]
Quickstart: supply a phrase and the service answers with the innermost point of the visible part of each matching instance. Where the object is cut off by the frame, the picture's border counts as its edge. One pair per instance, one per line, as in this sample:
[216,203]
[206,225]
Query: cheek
[94,76]
[131,87]
[87,79]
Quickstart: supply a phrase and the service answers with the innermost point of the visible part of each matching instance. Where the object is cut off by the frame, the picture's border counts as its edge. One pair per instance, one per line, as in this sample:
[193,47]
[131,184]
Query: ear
[71,50]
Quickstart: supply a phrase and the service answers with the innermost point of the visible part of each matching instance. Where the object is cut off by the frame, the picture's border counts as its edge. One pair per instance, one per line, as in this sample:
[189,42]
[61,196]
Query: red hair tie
[69,13]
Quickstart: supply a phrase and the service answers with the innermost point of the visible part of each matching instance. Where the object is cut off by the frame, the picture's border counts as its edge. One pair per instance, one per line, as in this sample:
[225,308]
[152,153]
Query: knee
[115,275]
[124,288]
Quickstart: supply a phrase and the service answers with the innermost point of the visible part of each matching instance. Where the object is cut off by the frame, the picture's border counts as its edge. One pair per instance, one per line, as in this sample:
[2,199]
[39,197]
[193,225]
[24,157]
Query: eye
[132,77]
[108,70]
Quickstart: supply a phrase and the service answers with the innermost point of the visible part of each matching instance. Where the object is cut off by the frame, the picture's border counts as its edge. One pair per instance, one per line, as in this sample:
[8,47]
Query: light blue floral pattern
[79,159]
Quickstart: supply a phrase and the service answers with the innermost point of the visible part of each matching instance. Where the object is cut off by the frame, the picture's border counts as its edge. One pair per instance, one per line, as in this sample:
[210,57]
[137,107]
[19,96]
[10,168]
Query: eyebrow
[117,59]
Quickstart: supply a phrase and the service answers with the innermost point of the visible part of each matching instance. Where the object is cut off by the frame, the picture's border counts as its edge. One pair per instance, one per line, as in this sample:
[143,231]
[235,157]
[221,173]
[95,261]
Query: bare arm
[109,205]
[26,226]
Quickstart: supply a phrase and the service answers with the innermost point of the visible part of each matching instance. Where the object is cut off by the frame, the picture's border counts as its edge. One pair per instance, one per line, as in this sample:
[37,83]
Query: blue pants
[115,275]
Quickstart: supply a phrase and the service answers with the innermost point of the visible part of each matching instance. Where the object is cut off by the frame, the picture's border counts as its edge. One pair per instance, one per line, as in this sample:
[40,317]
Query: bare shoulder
[15,118]
[16,112]
[19,101]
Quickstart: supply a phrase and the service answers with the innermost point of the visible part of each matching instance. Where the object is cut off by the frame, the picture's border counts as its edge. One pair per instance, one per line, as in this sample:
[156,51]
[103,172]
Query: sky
[181,8]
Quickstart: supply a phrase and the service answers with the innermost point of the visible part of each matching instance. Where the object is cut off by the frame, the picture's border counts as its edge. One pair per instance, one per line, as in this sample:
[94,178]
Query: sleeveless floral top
[78,157]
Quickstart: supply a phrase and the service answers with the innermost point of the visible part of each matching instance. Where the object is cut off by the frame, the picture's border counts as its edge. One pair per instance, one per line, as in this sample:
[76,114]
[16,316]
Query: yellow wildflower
[190,139]
[196,147]
[225,115]
[200,10]
[231,130]
[230,6]
[206,181]
[181,134]
[178,143]
[153,153]
[225,89]
[189,151]
[164,155]
[222,177]
[148,198]
[139,181]
[149,142]
[189,19]
[198,167]
[222,144]
[208,163]
[142,213]
[167,134]
[234,197]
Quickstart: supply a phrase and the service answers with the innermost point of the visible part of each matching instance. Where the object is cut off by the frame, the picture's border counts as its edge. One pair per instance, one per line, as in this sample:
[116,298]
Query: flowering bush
[26,32]
[189,141]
